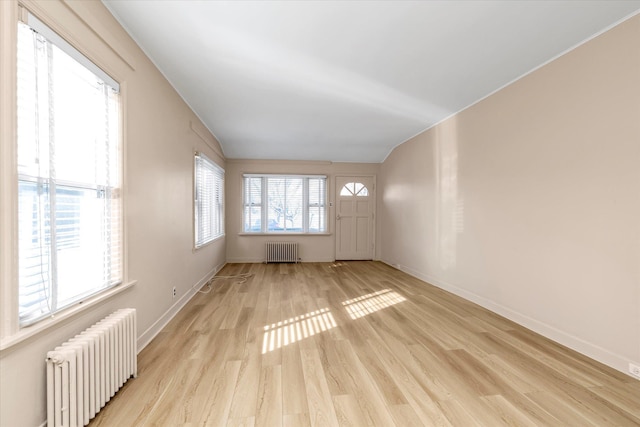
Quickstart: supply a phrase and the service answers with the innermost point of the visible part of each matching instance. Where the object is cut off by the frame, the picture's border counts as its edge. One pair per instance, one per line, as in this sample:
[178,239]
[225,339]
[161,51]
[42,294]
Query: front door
[354,217]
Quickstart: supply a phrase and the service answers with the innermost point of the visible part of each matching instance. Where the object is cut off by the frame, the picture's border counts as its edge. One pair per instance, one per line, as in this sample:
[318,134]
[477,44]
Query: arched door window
[354,189]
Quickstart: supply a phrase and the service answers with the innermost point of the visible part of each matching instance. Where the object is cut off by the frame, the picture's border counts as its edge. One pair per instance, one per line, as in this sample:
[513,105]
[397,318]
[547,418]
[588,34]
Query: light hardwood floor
[357,344]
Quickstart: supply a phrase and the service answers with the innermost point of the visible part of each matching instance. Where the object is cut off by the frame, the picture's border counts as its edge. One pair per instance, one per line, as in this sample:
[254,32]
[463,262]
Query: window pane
[31,50]
[80,245]
[34,234]
[252,219]
[74,85]
[361,190]
[284,204]
[315,219]
[276,200]
[348,189]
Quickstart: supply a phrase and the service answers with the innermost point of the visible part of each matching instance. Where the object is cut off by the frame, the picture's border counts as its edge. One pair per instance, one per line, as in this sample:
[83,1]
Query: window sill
[204,245]
[45,324]
[284,234]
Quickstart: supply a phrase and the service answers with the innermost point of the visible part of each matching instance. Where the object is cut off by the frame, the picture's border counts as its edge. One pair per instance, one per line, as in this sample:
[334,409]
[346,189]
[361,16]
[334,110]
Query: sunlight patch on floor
[297,328]
[370,303]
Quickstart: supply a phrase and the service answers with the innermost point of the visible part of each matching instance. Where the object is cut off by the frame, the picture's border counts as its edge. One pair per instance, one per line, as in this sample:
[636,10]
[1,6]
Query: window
[357,189]
[69,173]
[209,200]
[285,203]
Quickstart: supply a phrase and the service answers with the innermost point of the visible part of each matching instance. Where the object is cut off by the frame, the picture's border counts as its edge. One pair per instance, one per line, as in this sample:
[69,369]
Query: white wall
[529,201]
[245,248]
[161,135]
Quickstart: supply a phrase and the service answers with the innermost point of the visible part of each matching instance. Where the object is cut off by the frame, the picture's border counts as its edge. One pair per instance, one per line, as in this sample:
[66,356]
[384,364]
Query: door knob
[338,217]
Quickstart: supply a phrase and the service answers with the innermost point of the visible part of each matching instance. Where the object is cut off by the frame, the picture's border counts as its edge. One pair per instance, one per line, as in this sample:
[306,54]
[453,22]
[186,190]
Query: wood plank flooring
[359,344]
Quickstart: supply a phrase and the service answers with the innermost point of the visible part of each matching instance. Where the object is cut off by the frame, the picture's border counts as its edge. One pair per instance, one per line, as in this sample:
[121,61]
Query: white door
[355,203]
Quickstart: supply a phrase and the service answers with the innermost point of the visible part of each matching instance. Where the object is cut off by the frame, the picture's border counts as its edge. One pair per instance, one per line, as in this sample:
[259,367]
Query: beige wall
[160,142]
[529,201]
[244,248]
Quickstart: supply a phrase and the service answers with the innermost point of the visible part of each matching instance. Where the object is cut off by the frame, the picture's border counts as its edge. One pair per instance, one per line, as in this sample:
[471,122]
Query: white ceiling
[350,80]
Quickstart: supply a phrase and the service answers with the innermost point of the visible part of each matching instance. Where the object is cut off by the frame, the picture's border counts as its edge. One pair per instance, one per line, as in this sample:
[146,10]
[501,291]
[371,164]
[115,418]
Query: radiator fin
[84,373]
[281,252]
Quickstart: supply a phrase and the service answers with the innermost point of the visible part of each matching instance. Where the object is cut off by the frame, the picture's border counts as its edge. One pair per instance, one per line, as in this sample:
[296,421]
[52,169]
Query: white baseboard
[261,260]
[586,348]
[158,325]
[245,260]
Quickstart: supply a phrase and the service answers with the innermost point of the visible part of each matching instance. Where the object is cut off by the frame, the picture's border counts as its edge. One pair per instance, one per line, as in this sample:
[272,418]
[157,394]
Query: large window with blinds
[285,204]
[69,175]
[208,200]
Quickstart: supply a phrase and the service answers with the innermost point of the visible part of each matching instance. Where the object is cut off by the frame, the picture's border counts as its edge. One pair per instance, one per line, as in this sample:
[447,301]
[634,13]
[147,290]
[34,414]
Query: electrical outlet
[634,370]
[174,291]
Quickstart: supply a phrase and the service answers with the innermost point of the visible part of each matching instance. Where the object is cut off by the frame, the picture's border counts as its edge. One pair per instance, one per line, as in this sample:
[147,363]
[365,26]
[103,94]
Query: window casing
[69,175]
[284,204]
[208,200]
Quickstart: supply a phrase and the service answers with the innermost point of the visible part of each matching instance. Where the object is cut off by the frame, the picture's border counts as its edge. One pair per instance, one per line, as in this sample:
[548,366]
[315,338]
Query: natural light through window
[354,189]
[297,328]
[370,303]
[208,200]
[285,204]
[69,175]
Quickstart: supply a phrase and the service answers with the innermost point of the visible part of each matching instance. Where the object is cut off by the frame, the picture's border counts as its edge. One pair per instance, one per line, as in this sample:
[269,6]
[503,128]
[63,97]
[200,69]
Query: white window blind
[317,210]
[284,203]
[69,169]
[209,200]
[253,204]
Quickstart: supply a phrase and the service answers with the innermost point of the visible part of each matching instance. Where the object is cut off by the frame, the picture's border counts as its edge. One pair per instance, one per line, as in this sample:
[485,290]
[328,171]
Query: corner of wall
[147,336]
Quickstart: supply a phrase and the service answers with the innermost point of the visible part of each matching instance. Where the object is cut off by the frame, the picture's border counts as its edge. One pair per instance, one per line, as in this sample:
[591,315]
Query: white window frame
[264,204]
[111,192]
[207,173]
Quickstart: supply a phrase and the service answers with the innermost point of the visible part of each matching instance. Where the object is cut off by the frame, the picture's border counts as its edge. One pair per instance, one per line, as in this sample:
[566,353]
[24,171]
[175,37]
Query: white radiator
[282,252]
[84,373]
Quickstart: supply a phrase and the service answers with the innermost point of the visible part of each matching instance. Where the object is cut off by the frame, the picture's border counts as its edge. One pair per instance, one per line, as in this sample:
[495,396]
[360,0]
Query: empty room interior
[270,213]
